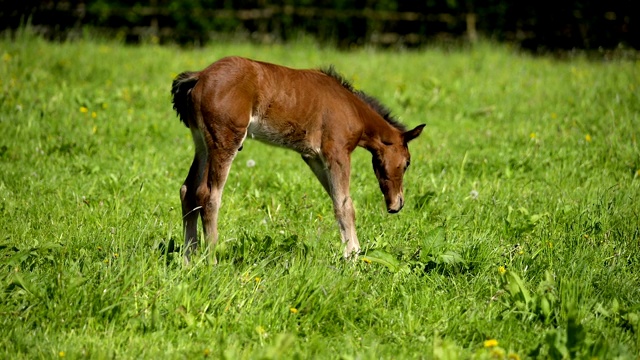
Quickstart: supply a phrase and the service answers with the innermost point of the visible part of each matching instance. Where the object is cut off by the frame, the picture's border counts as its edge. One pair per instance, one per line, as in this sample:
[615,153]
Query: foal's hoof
[351,254]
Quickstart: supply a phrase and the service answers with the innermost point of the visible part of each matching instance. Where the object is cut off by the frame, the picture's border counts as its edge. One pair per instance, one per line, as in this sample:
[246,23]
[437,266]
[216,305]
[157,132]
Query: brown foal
[314,112]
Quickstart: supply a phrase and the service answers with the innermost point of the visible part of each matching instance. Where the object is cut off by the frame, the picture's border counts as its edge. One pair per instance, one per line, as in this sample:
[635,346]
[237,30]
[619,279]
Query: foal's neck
[378,132]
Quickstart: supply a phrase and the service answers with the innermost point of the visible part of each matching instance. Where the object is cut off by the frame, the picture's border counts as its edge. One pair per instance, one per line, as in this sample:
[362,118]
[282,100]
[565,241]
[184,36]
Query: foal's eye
[407,165]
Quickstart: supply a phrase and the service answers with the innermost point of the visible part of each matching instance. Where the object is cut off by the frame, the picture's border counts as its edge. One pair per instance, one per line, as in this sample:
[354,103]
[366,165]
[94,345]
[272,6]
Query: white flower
[474,194]
[251,163]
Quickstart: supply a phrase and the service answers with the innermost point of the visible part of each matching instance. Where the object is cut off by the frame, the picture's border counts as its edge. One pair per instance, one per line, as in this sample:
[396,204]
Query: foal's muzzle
[394,208]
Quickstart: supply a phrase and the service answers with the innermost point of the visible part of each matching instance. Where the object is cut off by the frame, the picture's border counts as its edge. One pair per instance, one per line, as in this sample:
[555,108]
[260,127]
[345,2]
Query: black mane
[374,103]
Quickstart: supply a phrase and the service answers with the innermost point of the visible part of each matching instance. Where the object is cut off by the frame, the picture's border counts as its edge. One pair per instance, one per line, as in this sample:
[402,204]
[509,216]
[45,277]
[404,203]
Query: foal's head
[390,162]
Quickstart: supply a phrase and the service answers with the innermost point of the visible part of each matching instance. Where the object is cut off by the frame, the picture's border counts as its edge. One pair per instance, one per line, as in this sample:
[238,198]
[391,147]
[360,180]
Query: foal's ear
[412,134]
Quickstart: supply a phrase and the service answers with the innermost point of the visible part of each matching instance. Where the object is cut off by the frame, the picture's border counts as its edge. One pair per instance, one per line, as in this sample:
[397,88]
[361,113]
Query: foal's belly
[288,134]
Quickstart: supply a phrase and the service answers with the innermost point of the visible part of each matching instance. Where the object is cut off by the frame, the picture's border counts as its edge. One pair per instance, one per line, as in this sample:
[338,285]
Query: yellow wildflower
[207,352]
[532,135]
[61,354]
[6,57]
[94,114]
[513,356]
[115,255]
[293,310]
[261,331]
[497,353]
[502,270]
[366,260]
[587,138]
[490,343]
[83,109]
[554,115]
[257,279]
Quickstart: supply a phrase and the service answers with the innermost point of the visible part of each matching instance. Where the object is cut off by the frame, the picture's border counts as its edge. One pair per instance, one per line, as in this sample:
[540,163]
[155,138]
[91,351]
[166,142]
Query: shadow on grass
[246,248]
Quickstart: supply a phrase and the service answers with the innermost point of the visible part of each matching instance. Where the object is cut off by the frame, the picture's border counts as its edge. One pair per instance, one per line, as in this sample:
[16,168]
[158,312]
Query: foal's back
[279,105]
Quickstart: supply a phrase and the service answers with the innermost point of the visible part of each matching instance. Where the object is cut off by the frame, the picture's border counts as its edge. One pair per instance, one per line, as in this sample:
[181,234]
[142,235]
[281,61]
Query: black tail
[180,90]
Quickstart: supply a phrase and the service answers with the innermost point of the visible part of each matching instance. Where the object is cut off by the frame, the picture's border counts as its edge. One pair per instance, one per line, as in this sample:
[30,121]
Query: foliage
[519,238]
[537,26]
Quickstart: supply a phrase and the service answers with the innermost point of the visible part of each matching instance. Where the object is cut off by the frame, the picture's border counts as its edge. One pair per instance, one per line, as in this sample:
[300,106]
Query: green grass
[521,223]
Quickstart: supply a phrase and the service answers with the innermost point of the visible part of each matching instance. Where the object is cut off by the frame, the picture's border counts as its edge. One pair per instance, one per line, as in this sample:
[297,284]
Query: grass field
[519,239]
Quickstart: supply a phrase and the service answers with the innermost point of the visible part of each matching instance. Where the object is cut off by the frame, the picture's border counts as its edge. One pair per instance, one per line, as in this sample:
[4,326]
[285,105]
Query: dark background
[535,25]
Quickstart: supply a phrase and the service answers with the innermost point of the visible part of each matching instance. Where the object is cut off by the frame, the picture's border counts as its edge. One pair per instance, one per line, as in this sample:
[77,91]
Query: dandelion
[366,260]
[293,310]
[207,352]
[490,343]
[61,354]
[474,194]
[513,356]
[532,136]
[502,270]
[251,163]
[497,353]
[115,255]
[554,115]
[258,279]
[587,138]
[94,115]
[84,109]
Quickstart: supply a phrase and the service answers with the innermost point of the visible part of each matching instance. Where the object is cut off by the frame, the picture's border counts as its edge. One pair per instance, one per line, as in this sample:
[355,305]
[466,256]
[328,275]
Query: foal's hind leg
[190,208]
[219,164]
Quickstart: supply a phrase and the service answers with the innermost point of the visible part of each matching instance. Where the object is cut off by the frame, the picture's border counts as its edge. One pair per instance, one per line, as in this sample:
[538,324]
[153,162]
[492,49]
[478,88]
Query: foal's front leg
[338,173]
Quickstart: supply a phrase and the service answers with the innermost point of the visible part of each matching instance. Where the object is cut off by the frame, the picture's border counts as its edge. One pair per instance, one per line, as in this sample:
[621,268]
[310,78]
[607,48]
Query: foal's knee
[183,193]
[188,198]
[202,195]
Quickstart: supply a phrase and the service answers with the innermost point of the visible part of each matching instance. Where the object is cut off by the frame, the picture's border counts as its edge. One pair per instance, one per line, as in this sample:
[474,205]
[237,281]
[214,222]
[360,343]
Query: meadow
[519,239]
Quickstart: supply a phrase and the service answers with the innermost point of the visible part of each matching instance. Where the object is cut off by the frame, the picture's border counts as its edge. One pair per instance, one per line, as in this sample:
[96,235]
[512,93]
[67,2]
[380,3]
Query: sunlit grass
[519,239]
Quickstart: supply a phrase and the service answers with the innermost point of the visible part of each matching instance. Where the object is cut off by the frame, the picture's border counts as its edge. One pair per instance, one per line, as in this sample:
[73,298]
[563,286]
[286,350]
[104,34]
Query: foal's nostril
[395,210]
